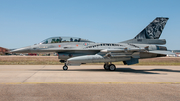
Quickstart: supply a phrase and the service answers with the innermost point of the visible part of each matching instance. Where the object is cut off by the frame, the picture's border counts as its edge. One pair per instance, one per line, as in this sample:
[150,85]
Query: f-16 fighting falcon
[77,51]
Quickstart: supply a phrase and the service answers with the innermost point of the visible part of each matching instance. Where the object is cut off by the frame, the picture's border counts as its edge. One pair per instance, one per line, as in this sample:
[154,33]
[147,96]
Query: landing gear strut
[110,67]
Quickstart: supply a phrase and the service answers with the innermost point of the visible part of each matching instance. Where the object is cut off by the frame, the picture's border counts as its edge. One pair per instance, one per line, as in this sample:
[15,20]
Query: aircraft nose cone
[22,50]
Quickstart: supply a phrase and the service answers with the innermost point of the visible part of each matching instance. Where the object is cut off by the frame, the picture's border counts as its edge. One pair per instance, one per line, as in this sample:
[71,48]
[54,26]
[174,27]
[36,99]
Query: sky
[26,22]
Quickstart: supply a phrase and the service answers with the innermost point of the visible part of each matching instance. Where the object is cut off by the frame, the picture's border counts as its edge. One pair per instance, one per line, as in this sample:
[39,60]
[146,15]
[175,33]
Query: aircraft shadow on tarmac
[122,70]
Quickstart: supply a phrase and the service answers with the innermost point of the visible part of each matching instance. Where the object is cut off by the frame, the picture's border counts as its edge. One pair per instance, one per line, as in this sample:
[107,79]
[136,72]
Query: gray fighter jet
[77,51]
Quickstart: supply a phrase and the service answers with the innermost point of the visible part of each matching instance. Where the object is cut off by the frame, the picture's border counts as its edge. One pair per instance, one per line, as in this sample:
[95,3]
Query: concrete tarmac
[87,73]
[89,82]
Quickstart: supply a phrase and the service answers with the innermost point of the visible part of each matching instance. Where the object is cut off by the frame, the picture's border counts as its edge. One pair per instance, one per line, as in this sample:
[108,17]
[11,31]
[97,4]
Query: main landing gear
[110,67]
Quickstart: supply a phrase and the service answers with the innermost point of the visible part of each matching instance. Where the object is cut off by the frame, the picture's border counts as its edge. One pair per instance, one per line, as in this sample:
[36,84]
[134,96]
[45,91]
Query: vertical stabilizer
[153,30]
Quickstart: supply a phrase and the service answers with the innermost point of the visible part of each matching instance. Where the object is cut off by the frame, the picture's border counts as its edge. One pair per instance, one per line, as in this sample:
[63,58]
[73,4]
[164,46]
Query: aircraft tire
[112,67]
[65,67]
[106,67]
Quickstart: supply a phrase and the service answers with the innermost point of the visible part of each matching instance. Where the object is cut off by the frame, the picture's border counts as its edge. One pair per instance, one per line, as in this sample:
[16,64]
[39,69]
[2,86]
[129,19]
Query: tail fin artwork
[153,30]
[151,34]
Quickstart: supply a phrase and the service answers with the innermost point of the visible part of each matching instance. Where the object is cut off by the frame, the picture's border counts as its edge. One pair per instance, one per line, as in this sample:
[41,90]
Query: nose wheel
[65,67]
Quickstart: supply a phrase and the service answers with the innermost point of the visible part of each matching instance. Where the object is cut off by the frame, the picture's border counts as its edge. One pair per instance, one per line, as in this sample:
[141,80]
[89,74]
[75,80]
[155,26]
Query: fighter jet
[76,51]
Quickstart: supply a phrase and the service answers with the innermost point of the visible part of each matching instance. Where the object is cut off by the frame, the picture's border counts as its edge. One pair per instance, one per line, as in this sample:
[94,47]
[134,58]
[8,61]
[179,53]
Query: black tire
[65,67]
[112,67]
[106,67]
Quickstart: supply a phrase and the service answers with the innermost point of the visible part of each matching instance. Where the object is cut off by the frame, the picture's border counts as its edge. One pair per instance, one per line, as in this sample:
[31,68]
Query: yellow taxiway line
[91,83]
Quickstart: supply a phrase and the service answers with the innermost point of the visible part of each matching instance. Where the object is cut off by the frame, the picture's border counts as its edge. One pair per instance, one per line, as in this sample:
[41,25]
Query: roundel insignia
[85,44]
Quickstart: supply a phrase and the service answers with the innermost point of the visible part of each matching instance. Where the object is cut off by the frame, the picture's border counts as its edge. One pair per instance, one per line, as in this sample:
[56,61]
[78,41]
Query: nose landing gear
[65,67]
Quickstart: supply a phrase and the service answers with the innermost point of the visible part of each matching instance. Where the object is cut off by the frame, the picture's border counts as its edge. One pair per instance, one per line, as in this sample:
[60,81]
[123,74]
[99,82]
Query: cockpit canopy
[63,39]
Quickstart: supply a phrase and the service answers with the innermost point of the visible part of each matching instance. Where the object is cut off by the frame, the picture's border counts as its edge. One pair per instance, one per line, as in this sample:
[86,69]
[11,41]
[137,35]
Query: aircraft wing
[162,52]
[138,50]
[124,50]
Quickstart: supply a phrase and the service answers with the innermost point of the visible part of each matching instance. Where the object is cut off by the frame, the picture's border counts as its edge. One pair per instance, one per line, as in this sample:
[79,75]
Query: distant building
[178,54]
[3,51]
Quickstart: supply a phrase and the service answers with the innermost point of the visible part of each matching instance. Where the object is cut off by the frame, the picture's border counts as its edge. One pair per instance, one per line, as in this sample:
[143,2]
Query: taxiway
[87,73]
[89,82]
